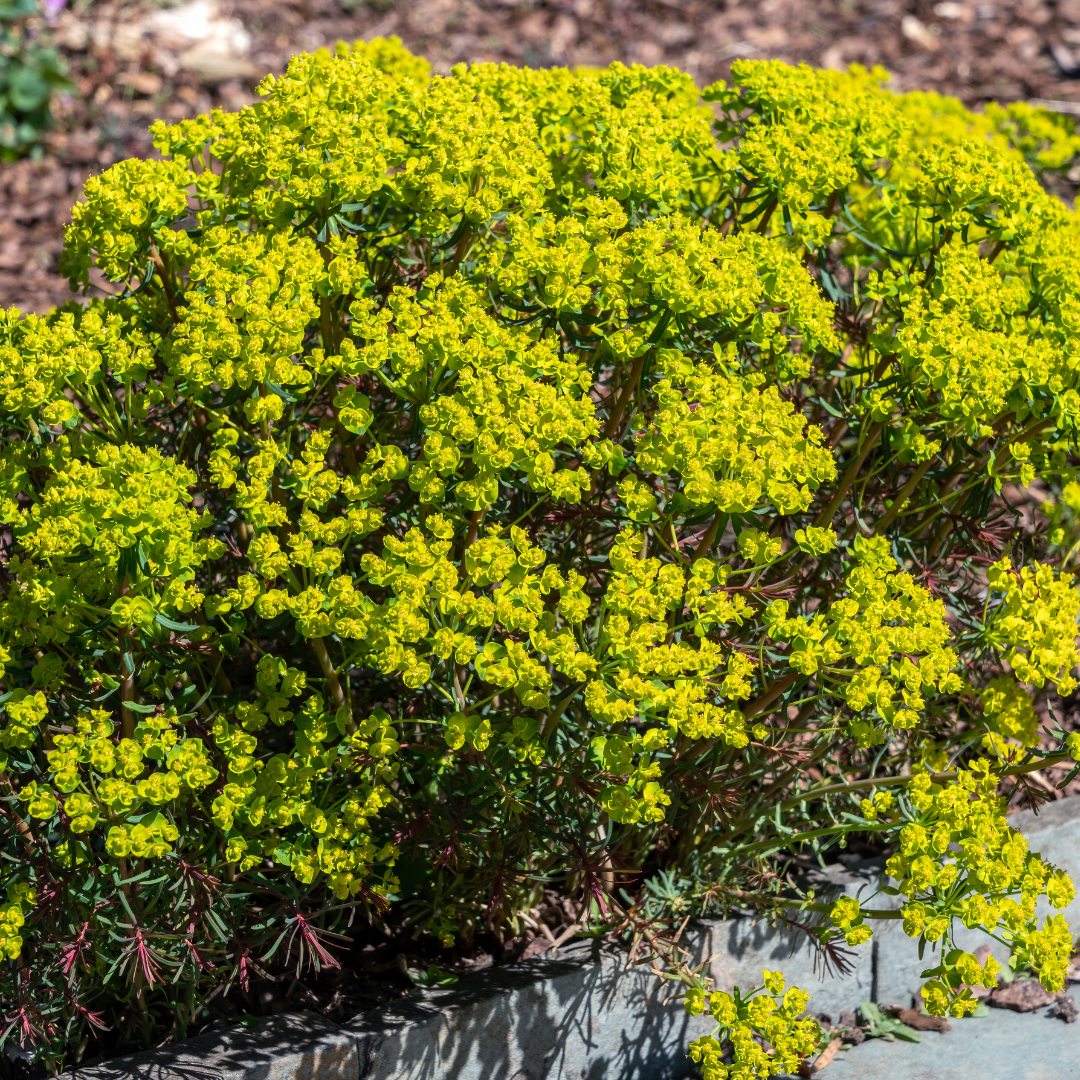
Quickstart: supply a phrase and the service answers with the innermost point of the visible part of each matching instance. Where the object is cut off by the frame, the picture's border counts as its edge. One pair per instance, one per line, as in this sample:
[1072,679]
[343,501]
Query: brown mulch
[976,50]
[1064,1008]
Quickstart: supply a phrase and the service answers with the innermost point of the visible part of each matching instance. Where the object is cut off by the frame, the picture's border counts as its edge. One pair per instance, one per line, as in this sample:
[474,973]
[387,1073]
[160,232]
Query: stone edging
[580,1016]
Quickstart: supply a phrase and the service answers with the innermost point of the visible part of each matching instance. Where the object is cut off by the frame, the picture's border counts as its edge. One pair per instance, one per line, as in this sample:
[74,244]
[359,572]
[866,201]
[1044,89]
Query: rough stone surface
[293,1046]
[584,1017]
[742,949]
[1001,1046]
[581,1017]
[1055,834]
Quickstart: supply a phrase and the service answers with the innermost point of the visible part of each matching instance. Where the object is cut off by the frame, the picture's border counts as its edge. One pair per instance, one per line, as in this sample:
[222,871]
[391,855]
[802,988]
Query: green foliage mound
[524,478]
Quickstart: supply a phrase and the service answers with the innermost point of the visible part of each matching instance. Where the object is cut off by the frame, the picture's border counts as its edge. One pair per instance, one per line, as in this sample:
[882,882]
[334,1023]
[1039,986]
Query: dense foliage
[524,477]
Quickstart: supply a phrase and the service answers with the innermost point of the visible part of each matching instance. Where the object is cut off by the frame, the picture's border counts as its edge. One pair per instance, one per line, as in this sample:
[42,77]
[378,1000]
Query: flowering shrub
[524,476]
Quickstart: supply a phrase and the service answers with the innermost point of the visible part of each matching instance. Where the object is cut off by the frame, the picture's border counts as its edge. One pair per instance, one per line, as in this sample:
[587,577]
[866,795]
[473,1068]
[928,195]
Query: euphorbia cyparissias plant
[523,478]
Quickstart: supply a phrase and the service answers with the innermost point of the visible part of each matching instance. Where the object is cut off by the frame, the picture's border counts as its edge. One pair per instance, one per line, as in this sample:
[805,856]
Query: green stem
[803,905]
[937,778]
[552,721]
[797,838]
[849,476]
[127,679]
[612,425]
[333,683]
[902,498]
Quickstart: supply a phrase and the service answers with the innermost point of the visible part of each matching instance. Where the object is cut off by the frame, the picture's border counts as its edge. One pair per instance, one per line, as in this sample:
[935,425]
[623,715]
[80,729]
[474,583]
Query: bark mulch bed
[977,51]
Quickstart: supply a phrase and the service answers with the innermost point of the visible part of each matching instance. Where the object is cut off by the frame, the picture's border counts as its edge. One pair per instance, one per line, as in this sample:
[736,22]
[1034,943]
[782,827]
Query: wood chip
[1021,995]
[567,933]
[920,1021]
[1064,1009]
[919,33]
[143,82]
[537,947]
[827,1054]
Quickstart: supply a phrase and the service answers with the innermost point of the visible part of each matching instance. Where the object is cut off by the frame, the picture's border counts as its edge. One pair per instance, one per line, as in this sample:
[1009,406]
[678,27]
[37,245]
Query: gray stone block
[583,1016]
[1002,1046]
[897,967]
[579,1017]
[740,949]
[1055,834]
[293,1046]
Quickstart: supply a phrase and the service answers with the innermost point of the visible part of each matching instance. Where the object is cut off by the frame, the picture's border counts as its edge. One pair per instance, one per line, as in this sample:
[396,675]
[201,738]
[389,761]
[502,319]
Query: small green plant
[880,1025]
[529,477]
[31,72]
[432,977]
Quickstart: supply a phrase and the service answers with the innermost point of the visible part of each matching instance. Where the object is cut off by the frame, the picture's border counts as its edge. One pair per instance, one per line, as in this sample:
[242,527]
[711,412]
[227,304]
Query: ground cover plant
[31,72]
[519,478]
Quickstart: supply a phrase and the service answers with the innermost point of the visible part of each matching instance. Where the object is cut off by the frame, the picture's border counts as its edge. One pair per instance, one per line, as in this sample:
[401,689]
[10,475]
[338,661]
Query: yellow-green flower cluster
[20,897]
[515,401]
[126,220]
[1035,621]
[105,514]
[891,629]
[735,445]
[1008,714]
[106,780]
[25,712]
[959,859]
[677,682]
[846,916]
[46,362]
[769,1013]
[248,302]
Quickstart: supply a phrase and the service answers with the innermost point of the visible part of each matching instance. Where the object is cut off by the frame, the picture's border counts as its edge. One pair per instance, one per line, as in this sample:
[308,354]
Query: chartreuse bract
[454,486]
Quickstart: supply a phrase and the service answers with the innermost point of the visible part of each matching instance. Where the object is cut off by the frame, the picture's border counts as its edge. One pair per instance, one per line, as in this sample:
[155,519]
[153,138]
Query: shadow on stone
[581,1017]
